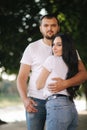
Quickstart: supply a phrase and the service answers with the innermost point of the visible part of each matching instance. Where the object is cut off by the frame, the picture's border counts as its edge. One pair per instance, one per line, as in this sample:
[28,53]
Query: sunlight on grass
[9,100]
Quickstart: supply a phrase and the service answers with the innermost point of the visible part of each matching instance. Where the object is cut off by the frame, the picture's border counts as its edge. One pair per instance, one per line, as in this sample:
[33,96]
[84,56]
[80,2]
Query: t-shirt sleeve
[48,64]
[27,56]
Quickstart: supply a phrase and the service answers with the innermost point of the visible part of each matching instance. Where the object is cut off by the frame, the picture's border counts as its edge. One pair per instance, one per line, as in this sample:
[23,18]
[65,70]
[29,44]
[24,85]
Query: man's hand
[29,105]
[56,86]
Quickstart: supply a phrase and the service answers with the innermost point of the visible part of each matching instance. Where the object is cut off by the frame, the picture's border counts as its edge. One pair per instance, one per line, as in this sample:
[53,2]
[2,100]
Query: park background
[19,27]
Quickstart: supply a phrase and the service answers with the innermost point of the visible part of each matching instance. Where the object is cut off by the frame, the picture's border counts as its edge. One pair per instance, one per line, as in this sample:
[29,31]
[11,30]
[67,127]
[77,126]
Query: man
[34,56]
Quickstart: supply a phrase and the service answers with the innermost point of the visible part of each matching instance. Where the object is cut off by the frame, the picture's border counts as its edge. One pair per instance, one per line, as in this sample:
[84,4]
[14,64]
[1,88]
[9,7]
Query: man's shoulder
[33,45]
[35,42]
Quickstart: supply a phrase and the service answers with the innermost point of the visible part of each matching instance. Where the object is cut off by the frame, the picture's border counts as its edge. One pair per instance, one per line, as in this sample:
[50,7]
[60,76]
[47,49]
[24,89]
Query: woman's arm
[40,83]
[78,79]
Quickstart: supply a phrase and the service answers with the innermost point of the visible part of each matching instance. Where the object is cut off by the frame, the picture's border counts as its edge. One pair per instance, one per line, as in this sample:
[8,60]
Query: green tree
[19,26]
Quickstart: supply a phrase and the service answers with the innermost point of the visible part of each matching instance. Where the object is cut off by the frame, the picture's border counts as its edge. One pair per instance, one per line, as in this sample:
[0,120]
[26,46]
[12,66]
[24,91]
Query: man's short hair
[49,16]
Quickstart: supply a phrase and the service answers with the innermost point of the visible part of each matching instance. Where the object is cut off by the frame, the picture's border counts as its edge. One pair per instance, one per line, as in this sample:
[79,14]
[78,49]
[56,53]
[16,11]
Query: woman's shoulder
[51,57]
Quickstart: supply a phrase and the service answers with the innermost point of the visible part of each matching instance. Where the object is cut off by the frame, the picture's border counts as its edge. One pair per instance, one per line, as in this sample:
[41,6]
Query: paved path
[82,120]
[15,116]
[22,125]
[14,126]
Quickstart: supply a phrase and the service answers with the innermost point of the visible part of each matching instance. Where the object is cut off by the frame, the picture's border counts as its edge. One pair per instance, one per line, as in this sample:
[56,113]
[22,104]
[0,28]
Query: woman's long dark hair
[70,57]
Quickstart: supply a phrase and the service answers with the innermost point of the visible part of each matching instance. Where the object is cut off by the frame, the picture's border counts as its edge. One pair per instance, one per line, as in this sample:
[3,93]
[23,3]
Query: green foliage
[19,26]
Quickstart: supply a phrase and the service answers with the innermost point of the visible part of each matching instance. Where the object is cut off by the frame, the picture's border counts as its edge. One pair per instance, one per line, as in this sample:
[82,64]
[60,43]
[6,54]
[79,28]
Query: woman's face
[57,46]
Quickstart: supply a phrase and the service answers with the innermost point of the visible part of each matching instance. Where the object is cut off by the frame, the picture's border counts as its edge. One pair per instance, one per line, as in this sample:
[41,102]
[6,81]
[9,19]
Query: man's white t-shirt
[35,55]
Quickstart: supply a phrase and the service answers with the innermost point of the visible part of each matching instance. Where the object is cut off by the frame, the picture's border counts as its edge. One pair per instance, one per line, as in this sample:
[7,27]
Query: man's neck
[47,41]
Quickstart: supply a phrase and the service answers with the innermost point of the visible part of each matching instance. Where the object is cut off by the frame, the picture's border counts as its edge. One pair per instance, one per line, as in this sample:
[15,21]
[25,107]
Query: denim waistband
[54,96]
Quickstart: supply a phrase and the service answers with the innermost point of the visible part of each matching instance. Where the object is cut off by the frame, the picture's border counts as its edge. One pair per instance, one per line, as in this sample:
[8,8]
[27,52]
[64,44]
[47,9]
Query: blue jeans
[36,121]
[61,114]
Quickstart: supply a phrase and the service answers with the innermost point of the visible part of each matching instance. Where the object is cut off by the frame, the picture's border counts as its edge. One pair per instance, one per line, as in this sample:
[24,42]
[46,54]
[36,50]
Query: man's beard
[49,38]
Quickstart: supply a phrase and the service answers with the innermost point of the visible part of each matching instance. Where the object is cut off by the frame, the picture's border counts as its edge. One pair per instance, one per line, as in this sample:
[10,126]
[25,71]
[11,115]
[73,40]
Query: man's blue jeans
[36,121]
[61,114]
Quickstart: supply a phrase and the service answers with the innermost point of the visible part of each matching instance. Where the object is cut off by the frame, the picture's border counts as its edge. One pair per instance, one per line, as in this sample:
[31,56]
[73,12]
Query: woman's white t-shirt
[57,68]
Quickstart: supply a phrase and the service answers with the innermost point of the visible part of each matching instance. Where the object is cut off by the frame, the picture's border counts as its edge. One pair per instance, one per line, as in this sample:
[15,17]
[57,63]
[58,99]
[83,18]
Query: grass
[9,100]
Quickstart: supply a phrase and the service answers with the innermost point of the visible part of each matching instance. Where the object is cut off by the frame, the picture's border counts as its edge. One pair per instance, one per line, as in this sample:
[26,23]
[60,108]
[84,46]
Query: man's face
[49,27]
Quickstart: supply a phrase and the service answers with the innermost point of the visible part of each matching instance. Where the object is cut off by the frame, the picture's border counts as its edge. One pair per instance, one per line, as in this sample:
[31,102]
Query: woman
[61,111]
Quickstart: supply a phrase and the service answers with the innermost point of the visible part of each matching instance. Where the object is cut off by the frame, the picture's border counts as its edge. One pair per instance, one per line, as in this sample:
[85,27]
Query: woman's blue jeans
[36,121]
[61,114]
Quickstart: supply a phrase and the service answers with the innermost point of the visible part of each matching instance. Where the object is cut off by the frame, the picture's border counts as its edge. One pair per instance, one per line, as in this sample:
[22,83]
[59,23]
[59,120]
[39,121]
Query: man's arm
[22,79]
[78,79]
